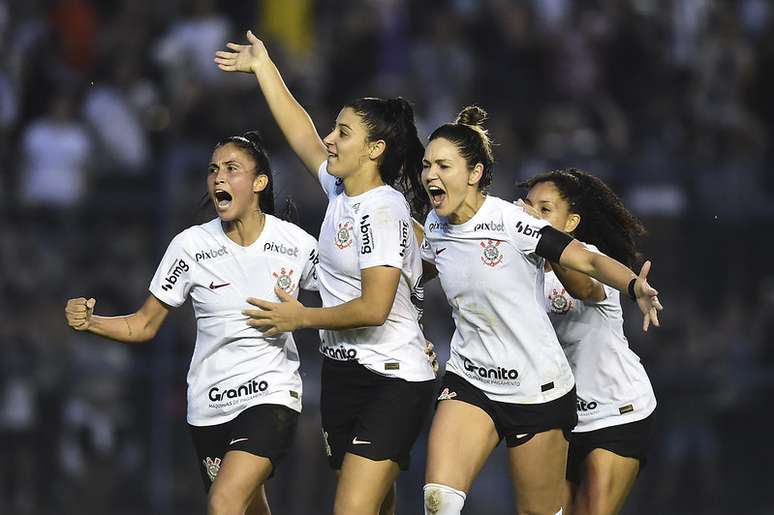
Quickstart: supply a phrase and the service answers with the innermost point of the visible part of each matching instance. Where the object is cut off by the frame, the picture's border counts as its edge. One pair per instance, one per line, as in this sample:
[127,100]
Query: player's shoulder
[191,235]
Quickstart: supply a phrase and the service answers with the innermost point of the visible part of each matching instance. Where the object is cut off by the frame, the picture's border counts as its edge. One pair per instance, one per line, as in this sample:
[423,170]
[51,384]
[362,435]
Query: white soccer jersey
[503,342]
[611,383]
[367,230]
[234,366]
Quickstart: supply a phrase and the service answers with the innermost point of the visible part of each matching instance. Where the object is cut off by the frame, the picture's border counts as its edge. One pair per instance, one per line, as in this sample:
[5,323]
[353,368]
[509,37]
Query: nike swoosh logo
[355,441]
[214,286]
[437,252]
[519,437]
[237,440]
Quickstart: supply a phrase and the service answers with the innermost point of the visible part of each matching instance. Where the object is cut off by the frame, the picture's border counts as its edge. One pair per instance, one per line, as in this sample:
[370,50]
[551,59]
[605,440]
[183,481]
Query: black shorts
[370,415]
[630,440]
[265,430]
[517,423]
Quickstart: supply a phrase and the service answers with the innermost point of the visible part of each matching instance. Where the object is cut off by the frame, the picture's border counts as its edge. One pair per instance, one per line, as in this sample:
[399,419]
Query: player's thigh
[239,480]
[462,437]
[363,484]
[606,480]
[538,472]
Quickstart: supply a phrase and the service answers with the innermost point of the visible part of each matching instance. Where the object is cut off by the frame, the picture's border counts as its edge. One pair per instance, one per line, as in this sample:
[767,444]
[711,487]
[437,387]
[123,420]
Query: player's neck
[361,181]
[245,231]
[468,209]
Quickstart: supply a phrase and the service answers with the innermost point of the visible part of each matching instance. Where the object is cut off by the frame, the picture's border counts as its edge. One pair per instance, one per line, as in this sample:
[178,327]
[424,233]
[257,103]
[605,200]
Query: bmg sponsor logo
[404,237]
[490,226]
[496,375]
[178,268]
[210,253]
[339,353]
[366,235]
[280,248]
[252,387]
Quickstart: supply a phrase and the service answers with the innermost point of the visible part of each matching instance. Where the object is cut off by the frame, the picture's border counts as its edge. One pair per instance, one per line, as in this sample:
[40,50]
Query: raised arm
[292,119]
[613,273]
[137,327]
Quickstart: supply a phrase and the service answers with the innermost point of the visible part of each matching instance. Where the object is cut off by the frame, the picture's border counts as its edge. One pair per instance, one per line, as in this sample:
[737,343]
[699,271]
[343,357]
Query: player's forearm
[124,329]
[292,119]
[352,314]
[577,284]
[610,272]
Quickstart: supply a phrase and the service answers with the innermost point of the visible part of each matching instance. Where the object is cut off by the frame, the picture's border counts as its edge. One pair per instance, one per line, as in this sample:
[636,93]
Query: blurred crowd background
[109,111]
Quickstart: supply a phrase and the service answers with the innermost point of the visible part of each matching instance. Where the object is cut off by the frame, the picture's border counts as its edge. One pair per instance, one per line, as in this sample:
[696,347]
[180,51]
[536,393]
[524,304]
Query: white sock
[443,500]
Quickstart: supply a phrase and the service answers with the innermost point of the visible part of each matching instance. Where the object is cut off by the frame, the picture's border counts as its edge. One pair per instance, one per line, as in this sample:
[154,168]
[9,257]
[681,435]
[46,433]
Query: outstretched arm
[137,327]
[292,119]
[613,273]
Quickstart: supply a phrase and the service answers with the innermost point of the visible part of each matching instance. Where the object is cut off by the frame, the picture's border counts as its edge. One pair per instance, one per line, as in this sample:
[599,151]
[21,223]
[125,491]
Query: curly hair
[605,222]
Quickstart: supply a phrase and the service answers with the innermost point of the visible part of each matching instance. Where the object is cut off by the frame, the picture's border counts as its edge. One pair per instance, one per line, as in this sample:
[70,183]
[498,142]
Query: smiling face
[552,207]
[233,183]
[448,178]
[347,144]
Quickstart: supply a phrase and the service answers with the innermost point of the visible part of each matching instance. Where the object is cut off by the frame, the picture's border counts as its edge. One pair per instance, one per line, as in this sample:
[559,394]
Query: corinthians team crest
[491,255]
[344,234]
[285,280]
[560,303]
[212,467]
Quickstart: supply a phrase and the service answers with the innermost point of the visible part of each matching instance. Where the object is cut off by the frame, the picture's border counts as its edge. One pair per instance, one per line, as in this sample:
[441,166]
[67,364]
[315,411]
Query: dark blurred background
[108,114]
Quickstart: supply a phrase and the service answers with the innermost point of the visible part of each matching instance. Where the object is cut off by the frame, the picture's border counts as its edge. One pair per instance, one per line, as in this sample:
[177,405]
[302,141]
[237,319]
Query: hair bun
[472,115]
[254,137]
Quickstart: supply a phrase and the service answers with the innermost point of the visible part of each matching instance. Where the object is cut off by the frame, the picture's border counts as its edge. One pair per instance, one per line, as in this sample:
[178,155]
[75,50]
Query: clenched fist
[78,313]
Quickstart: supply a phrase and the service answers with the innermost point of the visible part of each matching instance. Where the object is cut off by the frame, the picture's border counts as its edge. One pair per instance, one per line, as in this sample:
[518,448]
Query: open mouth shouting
[222,199]
[437,195]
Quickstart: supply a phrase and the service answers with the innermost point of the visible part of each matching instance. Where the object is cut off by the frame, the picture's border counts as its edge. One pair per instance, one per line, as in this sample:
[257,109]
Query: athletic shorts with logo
[369,415]
[630,440]
[264,430]
[517,423]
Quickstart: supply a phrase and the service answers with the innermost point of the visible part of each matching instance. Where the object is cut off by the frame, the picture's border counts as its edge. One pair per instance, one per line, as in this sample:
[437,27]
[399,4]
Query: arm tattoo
[128,326]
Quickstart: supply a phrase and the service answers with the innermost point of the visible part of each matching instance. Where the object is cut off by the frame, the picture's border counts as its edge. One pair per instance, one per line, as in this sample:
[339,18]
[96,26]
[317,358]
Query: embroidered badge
[212,467]
[285,280]
[561,303]
[344,236]
[491,256]
[446,395]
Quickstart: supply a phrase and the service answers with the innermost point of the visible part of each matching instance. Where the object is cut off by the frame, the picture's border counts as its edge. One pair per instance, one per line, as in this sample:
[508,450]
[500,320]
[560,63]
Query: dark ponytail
[472,140]
[400,165]
[605,221]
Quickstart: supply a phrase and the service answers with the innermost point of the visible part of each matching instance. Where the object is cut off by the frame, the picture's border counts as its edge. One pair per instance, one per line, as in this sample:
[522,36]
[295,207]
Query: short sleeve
[524,230]
[383,233]
[309,273]
[172,281]
[332,186]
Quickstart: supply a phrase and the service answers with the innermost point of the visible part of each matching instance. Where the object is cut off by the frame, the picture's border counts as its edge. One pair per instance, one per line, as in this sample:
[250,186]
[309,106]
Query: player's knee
[354,505]
[443,500]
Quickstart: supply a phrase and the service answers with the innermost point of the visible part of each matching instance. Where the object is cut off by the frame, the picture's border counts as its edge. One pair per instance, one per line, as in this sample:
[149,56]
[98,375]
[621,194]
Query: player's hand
[273,318]
[431,355]
[529,209]
[243,58]
[78,313]
[647,298]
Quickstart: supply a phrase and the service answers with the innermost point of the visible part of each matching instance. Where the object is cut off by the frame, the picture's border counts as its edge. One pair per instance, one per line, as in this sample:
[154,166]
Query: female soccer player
[244,389]
[507,376]
[377,382]
[615,397]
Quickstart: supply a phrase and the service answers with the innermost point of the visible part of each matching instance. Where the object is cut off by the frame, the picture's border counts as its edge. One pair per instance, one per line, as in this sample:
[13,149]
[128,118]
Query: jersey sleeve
[308,279]
[524,230]
[383,233]
[426,252]
[332,186]
[172,281]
